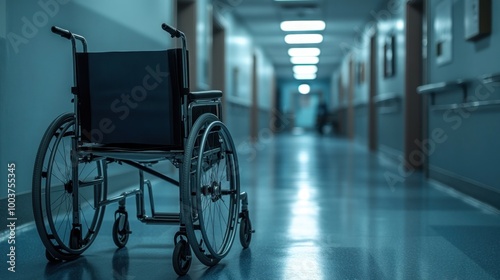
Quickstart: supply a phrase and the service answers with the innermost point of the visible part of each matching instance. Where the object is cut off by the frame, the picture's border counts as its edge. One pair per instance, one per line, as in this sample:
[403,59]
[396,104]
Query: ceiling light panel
[303,38]
[303,25]
[304,60]
[304,88]
[305,69]
[304,76]
[304,52]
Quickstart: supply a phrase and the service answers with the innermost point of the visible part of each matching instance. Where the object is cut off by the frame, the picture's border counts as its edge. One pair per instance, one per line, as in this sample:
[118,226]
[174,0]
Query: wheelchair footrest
[162,218]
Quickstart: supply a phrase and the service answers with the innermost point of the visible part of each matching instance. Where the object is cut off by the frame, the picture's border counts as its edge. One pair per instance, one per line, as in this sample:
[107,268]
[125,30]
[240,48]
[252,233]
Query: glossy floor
[322,208]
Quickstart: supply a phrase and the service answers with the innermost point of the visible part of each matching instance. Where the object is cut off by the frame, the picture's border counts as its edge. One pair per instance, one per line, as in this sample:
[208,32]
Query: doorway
[413,105]
[254,109]
[305,109]
[372,108]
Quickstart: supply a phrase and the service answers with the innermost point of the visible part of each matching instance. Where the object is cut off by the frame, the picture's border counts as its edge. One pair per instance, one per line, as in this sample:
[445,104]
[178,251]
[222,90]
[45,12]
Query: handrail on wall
[442,86]
[461,84]
[465,105]
[386,97]
[491,78]
[388,103]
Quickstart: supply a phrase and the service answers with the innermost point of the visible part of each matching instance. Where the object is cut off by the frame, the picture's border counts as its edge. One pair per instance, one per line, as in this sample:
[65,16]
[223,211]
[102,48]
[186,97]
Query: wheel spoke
[83,178]
[65,157]
[88,202]
[66,216]
[59,168]
[53,184]
[84,218]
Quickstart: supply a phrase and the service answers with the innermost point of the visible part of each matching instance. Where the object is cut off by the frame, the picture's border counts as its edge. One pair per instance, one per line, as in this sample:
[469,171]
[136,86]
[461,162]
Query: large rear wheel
[67,189]
[211,189]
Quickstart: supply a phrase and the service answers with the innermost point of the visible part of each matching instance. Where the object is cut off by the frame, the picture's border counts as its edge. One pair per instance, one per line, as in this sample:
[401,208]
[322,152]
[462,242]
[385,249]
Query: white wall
[390,128]
[133,17]
[362,57]
[239,60]
[240,50]
[265,80]
[334,87]
[204,43]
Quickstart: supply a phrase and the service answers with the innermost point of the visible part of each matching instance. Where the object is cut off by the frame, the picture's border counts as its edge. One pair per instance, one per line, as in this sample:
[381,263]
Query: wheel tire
[181,258]
[245,232]
[202,196]
[54,194]
[51,258]
[120,235]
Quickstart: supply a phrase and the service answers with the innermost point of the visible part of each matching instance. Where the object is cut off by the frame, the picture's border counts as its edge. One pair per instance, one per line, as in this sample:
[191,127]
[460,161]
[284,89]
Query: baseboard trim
[476,190]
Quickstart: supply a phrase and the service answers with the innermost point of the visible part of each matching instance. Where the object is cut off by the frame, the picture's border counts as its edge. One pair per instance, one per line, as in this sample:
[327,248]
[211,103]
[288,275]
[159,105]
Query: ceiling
[345,20]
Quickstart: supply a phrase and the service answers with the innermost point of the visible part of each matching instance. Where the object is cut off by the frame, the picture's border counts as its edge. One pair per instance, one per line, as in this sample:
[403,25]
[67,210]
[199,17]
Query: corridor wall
[241,53]
[390,86]
[350,84]
[459,146]
[466,156]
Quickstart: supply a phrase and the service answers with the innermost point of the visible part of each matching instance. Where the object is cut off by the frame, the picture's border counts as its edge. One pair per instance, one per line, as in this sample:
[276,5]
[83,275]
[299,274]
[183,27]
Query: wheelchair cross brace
[156,217]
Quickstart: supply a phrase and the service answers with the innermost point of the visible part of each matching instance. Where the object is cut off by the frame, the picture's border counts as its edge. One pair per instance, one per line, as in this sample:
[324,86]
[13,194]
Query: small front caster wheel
[245,232]
[121,231]
[181,258]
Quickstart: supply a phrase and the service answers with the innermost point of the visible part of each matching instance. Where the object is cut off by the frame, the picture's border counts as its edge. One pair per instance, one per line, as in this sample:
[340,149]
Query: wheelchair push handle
[172,31]
[62,32]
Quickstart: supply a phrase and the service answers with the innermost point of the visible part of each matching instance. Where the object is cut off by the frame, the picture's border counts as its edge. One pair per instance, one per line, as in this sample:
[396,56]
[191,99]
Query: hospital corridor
[249,139]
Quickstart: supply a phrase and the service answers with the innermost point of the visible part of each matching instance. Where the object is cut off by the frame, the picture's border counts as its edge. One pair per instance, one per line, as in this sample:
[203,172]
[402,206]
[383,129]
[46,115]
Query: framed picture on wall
[389,56]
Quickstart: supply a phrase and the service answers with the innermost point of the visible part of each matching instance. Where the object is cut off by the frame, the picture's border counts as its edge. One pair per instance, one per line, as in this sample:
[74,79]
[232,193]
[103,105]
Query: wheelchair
[136,109]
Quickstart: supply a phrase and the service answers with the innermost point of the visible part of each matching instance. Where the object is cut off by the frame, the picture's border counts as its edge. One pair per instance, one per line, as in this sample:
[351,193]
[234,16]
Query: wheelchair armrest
[208,94]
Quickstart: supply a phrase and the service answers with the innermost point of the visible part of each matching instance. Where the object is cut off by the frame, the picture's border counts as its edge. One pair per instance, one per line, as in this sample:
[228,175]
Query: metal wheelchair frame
[207,145]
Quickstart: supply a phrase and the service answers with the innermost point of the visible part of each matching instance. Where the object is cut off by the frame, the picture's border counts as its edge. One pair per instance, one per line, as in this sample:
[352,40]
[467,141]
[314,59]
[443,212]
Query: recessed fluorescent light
[305,69]
[304,76]
[304,60]
[304,89]
[400,24]
[304,52]
[303,38]
[303,25]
